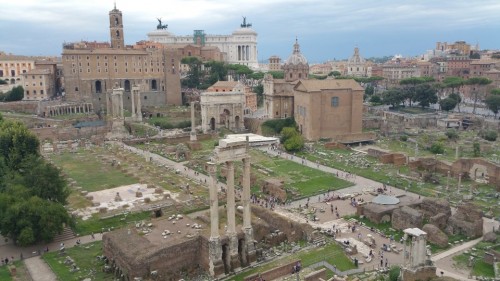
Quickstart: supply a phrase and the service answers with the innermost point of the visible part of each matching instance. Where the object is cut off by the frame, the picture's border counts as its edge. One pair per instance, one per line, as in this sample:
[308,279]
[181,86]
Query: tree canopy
[32,191]
[493,103]
[16,94]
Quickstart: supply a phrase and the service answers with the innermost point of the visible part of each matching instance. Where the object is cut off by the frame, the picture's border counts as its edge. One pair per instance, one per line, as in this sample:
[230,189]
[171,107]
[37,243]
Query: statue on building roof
[160,25]
[245,24]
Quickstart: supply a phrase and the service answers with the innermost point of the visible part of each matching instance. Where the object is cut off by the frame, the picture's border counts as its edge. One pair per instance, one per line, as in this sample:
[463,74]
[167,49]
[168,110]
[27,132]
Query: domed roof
[244,31]
[296,57]
[356,58]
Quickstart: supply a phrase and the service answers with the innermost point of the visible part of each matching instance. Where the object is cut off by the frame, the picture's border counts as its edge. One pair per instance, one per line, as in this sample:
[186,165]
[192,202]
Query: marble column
[231,217]
[215,264]
[132,98]
[192,135]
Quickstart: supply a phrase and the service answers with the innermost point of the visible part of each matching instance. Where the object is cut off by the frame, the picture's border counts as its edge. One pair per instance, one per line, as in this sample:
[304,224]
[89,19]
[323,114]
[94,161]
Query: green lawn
[95,224]
[85,259]
[331,253]
[89,172]
[4,273]
[306,181]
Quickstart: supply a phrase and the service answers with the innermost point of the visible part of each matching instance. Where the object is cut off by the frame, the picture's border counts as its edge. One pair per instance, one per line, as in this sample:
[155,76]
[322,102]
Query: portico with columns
[237,252]
[136,103]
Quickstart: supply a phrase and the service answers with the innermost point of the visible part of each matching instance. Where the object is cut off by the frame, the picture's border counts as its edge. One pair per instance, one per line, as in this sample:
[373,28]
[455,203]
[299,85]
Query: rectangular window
[335,101]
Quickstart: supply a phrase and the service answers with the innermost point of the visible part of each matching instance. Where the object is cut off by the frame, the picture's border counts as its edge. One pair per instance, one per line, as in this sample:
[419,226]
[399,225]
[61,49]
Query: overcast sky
[326,29]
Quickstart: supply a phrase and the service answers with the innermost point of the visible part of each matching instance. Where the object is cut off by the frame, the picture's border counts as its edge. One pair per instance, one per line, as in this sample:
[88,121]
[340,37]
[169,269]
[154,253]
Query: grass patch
[95,224]
[332,253]
[4,273]
[85,259]
[303,180]
[481,268]
[89,172]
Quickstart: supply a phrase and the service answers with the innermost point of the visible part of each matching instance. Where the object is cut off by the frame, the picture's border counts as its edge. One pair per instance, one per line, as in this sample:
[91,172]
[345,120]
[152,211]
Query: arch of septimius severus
[236,252]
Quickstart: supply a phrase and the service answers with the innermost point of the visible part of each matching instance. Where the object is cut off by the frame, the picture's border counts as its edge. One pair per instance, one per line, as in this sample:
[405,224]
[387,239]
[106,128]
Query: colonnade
[244,53]
[227,153]
[64,109]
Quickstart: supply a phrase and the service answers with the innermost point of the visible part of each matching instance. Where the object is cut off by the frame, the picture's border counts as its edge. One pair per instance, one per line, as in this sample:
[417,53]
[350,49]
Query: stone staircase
[66,234]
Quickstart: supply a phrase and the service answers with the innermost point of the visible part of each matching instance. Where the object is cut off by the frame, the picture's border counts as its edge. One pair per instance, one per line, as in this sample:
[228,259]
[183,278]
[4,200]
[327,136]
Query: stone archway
[212,124]
[237,123]
[224,118]
[479,173]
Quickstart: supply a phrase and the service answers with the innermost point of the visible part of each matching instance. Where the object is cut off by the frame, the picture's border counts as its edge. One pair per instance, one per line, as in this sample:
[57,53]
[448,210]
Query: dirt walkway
[39,270]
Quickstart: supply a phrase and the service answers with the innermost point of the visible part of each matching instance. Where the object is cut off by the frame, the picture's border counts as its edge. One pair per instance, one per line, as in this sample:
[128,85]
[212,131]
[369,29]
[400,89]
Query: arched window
[127,86]
[98,87]
[118,33]
[117,21]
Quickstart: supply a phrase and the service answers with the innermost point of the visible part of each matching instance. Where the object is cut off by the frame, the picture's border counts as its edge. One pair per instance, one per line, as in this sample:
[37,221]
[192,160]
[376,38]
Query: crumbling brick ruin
[406,217]
[467,220]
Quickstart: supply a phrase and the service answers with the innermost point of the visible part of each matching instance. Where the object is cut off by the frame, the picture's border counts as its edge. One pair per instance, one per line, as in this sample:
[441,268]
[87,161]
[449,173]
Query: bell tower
[116,29]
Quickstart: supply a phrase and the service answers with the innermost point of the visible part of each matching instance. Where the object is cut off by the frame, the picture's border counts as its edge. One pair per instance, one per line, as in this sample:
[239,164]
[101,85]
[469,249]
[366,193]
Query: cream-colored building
[39,84]
[240,47]
[222,110]
[12,67]
[91,69]
[356,65]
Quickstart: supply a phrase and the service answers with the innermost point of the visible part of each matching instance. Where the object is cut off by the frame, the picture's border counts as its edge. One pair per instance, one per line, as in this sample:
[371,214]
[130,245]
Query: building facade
[240,47]
[356,65]
[91,70]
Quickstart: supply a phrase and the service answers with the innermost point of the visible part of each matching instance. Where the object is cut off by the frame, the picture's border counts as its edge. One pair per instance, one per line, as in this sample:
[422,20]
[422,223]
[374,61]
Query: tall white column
[247,219]
[214,202]
[192,135]
[231,221]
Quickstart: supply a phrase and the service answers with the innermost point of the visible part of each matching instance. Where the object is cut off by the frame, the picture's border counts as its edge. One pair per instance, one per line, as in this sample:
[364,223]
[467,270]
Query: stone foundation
[419,274]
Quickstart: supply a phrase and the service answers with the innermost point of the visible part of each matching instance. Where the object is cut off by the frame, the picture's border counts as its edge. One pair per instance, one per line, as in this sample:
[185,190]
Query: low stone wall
[70,133]
[423,273]
[30,107]
[316,275]
[332,145]
[184,138]
[274,273]
[293,230]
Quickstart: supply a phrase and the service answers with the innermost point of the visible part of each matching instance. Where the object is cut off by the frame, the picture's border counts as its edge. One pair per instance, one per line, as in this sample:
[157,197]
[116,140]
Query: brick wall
[274,273]
[316,275]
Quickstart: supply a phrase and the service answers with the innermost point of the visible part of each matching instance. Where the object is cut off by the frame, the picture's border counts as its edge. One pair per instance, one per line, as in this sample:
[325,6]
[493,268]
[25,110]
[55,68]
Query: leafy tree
[454,82]
[437,148]
[393,97]
[425,94]
[488,135]
[16,94]
[375,99]
[257,75]
[288,132]
[259,90]
[32,191]
[276,125]
[217,70]
[16,143]
[447,104]
[475,56]
[477,83]
[493,103]
[495,91]
[476,149]
[452,134]
[369,90]
[294,143]
[3,82]
[277,74]
[410,84]
[44,180]
[194,74]
[334,73]
[239,69]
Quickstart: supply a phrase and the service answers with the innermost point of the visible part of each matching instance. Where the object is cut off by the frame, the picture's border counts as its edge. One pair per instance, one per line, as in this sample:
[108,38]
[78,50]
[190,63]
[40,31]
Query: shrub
[489,135]
[452,134]
[276,125]
[437,148]
[476,149]
[403,138]
[394,273]
[294,143]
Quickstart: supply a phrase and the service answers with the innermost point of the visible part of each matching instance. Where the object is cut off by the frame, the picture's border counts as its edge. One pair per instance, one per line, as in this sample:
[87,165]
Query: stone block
[406,217]
[435,235]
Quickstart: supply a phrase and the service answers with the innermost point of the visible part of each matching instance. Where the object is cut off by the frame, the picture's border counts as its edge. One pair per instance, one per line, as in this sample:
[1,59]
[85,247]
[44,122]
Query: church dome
[356,58]
[296,58]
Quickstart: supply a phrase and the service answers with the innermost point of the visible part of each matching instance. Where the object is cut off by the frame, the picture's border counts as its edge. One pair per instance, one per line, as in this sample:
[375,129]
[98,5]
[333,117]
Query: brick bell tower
[116,29]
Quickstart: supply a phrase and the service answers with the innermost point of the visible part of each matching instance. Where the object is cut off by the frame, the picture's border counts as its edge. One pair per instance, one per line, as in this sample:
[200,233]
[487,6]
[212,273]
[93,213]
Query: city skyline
[326,30]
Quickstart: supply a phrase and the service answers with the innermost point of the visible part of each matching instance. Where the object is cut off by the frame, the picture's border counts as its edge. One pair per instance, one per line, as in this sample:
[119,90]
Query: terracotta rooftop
[327,84]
